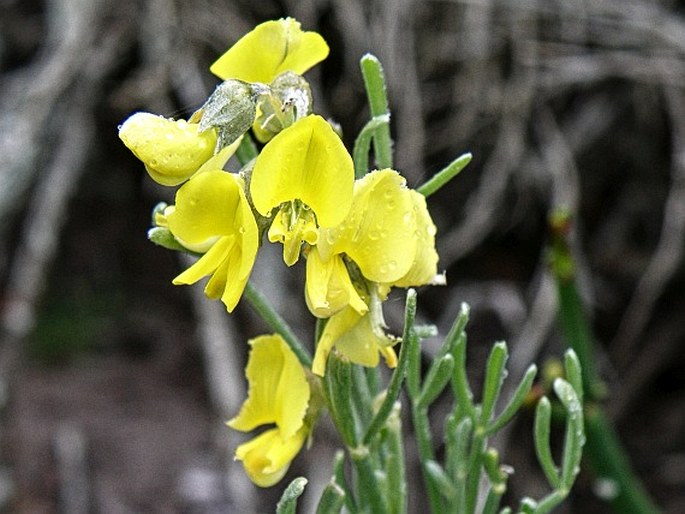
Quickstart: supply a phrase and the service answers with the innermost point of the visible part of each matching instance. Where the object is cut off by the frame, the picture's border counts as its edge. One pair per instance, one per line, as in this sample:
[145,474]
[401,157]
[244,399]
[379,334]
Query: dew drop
[606,488]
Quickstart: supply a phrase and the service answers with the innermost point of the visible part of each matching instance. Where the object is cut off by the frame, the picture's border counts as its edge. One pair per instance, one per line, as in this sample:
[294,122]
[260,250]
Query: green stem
[604,449]
[473,473]
[609,461]
[374,82]
[341,480]
[443,176]
[362,145]
[458,440]
[577,331]
[392,392]
[394,464]
[367,485]
[409,347]
[426,454]
[277,323]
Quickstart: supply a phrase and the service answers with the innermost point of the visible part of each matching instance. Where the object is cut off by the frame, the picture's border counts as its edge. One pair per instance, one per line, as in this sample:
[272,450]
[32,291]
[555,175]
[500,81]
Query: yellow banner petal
[306,161]
[270,49]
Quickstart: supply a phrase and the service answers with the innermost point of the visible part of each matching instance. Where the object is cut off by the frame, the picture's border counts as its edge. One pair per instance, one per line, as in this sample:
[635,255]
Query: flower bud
[172,150]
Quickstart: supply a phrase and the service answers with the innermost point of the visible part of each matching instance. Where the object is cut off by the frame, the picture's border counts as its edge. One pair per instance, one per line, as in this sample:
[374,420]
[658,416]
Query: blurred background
[114,385]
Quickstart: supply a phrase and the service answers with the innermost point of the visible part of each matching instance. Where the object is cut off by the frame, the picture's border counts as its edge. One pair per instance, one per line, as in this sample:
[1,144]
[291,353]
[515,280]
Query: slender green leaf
[288,502]
[445,175]
[574,373]
[494,378]
[436,380]
[374,81]
[550,501]
[362,145]
[460,383]
[516,401]
[543,419]
[332,499]
[393,390]
[440,478]
[575,432]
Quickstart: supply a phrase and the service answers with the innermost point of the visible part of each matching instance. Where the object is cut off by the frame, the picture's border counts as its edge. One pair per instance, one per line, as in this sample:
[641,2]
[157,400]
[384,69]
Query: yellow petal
[270,49]
[379,231]
[229,262]
[205,209]
[361,344]
[278,388]
[208,263]
[425,265]
[306,161]
[213,214]
[328,288]
[172,150]
[267,457]
[354,337]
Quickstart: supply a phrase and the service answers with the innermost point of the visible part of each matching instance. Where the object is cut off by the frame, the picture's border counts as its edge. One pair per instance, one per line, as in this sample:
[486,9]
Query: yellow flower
[307,174]
[387,239]
[387,234]
[278,394]
[172,150]
[212,215]
[270,49]
[354,336]
[330,288]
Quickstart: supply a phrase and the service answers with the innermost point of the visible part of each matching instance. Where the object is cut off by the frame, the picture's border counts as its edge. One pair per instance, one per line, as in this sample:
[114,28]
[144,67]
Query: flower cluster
[359,237]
